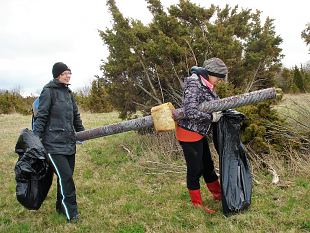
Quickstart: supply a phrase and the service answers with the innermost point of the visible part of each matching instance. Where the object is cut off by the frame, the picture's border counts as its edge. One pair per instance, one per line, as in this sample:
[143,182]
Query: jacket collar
[59,84]
[208,88]
[56,84]
[207,83]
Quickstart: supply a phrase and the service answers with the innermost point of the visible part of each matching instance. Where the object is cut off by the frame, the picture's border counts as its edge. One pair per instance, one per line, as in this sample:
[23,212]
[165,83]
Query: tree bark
[210,106]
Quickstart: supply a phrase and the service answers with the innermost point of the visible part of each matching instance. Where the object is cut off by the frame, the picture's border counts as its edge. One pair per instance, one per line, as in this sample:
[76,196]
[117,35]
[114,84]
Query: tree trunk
[210,106]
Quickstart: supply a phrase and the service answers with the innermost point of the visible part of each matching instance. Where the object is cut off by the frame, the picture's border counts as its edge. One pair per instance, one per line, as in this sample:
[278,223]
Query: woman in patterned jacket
[192,131]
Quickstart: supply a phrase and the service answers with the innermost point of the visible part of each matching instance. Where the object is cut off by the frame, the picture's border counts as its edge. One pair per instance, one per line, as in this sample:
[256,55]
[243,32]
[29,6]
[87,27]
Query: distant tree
[298,79]
[307,66]
[98,99]
[147,63]
[82,97]
[305,73]
[262,55]
[13,102]
[305,34]
[284,79]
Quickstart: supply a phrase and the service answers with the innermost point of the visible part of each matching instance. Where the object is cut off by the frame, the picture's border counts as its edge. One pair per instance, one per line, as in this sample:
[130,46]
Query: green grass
[123,186]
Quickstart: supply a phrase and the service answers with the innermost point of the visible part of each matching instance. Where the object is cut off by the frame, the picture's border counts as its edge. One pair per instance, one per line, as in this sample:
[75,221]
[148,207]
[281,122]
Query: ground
[126,184]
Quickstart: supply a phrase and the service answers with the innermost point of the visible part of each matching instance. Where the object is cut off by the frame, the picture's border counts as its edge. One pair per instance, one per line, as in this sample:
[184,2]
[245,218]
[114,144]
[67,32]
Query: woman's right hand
[177,115]
[216,116]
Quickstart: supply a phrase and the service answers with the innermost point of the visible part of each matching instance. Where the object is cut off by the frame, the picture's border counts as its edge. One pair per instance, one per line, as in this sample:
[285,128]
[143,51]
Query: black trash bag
[235,169]
[33,174]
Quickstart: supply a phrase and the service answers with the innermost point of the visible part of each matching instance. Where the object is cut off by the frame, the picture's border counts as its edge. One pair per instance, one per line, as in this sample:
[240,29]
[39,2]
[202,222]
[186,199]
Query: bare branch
[176,99]
[161,90]
[141,105]
[187,67]
[130,154]
[148,78]
[159,168]
[174,92]
[150,94]
[176,74]
[192,51]
[275,176]
[259,80]
[165,164]
[250,85]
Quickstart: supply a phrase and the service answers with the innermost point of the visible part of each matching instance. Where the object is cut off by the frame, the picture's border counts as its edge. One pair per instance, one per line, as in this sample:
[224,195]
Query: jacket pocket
[56,135]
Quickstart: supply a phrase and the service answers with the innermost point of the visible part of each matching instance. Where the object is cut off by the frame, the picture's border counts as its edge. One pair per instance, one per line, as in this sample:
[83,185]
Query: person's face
[215,80]
[64,77]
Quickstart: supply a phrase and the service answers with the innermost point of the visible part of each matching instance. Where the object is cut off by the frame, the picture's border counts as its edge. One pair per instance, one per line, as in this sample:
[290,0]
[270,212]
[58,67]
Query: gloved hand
[216,116]
[37,135]
[174,115]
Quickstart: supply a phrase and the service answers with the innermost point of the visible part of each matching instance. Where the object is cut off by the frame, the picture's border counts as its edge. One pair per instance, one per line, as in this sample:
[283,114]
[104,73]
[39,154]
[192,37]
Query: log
[210,106]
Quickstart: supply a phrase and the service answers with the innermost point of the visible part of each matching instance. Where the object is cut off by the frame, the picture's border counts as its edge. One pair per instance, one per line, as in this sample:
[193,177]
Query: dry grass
[296,110]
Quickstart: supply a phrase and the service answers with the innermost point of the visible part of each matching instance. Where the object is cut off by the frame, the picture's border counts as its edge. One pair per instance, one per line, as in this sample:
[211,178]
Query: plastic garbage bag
[235,170]
[33,173]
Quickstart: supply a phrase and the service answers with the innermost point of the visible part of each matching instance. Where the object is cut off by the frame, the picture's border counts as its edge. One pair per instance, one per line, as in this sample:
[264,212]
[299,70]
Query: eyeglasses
[66,73]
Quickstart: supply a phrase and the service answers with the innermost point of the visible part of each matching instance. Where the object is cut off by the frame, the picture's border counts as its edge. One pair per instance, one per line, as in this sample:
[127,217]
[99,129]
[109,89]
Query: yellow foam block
[162,117]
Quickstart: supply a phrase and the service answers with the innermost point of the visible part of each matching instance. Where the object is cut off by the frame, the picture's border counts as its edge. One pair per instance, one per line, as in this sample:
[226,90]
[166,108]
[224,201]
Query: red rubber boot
[215,189]
[197,201]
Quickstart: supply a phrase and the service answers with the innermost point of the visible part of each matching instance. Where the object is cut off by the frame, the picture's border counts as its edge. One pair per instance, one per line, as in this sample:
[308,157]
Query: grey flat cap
[216,67]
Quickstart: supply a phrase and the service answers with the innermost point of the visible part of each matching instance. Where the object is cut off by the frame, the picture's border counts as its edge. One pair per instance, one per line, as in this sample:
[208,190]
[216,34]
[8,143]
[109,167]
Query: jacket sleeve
[42,116]
[77,122]
[191,101]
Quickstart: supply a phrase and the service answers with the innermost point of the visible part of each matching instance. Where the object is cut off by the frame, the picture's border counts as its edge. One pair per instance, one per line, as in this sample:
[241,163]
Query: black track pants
[66,196]
[199,163]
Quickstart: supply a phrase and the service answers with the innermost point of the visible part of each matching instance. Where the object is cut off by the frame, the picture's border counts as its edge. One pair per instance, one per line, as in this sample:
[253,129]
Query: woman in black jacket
[56,123]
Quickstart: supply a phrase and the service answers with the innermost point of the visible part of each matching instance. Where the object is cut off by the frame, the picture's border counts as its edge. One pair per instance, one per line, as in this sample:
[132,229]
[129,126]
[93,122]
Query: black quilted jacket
[57,119]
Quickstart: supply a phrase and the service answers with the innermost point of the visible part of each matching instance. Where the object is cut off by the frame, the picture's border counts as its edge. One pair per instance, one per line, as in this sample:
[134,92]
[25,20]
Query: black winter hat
[58,68]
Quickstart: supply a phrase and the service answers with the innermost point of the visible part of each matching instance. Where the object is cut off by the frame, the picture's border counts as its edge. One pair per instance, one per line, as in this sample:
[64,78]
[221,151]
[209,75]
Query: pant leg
[59,199]
[59,208]
[63,167]
[209,173]
[193,152]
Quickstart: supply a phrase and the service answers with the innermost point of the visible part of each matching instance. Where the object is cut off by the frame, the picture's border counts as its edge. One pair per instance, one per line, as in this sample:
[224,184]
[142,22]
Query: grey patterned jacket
[193,95]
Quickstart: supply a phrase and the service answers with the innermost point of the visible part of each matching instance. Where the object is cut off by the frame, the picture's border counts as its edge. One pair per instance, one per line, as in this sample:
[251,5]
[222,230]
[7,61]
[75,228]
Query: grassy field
[132,183]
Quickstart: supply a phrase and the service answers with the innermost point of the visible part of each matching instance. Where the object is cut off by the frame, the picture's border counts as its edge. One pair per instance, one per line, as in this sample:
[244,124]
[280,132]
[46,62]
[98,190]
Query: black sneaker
[74,219]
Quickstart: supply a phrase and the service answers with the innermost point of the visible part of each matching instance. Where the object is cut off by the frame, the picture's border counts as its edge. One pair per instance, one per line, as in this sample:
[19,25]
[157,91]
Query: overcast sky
[34,34]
